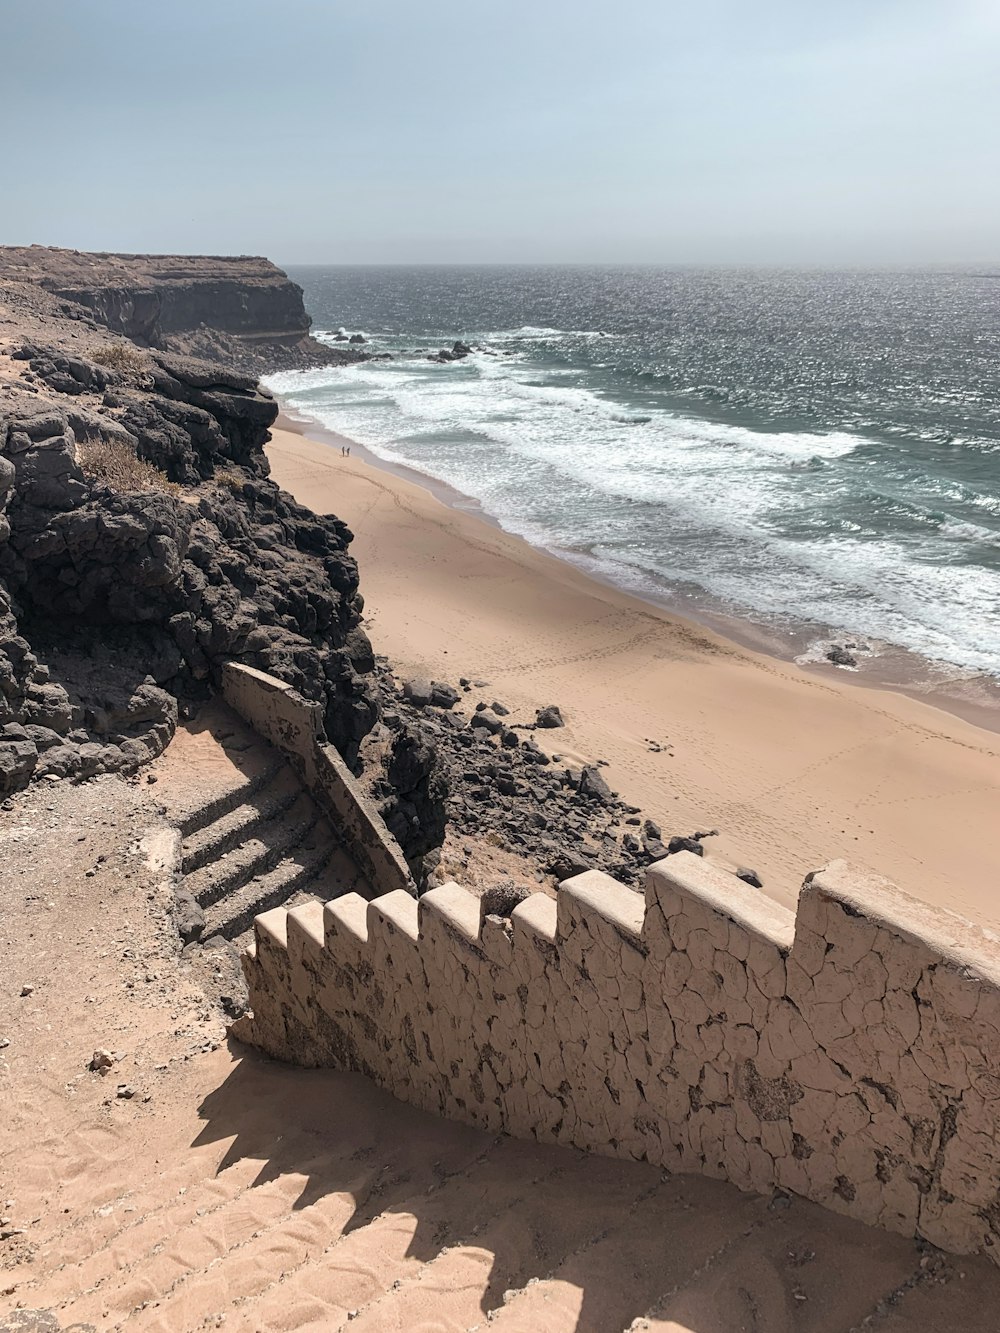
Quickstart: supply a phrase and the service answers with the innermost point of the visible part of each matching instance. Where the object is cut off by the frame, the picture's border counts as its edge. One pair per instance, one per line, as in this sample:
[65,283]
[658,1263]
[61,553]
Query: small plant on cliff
[121,357]
[230,479]
[116,464]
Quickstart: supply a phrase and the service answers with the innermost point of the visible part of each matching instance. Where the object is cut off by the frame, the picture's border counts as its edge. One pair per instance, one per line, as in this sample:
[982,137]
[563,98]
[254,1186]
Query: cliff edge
[241,310]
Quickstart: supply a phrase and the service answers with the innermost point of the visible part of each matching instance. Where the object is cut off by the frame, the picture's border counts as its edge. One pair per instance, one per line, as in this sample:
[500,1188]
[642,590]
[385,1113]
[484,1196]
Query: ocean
[811,455]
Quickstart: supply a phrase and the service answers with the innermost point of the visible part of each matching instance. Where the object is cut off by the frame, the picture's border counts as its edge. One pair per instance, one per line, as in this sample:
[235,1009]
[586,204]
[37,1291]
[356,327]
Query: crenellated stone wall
[849,1052]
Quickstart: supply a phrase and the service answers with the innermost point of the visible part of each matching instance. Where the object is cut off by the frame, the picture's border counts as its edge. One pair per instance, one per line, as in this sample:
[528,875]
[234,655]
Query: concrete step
[234,826]
[779,1276]
[295,873]
[256,855]
[219,1264]
[214,809]
[519,1235]
[623,1270]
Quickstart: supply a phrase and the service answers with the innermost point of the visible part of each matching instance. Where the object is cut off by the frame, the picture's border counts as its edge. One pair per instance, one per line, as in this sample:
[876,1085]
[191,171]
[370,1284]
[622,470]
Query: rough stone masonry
[849,1053]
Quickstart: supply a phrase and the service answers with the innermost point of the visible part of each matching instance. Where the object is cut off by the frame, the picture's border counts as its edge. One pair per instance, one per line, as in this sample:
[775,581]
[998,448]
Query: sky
[616,131]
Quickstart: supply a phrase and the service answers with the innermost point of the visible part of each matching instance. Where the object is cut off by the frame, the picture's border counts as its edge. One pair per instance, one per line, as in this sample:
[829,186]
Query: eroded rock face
[238,310]
[221,564]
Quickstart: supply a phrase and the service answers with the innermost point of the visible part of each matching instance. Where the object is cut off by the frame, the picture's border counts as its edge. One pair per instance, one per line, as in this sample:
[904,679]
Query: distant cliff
[242,310]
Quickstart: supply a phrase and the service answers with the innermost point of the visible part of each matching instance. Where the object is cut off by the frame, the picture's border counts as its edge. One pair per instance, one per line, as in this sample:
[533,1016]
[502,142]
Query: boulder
[680,844]
[549,717]
[750,877]
[17,764]
[443,696]
[486,720]
[592,785]
[841,657]
[418,692]
[188,917]
[61,761]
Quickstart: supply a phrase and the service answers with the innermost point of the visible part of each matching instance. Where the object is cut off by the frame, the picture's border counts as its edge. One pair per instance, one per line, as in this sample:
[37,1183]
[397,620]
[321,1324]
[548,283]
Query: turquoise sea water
[815,453]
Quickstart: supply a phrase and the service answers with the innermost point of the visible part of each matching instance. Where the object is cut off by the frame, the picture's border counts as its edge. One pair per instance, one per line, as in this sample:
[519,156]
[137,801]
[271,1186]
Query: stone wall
[295,726]
[849,1053]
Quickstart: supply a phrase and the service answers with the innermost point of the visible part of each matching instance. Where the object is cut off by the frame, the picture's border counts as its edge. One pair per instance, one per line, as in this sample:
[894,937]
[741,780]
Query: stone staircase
[312,1201]
[227,1191]
[259,847]
[259,842]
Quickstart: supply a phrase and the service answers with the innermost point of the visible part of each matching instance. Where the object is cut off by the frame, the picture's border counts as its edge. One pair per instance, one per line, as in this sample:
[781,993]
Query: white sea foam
[649,497]
[968,532]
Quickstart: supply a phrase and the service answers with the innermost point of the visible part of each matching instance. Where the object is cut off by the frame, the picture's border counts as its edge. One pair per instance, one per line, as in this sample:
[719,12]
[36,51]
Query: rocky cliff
[241,310]
[141,541]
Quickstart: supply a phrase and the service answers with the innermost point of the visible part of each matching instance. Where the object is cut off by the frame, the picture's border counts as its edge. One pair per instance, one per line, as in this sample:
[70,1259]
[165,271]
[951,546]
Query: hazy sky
[505,130]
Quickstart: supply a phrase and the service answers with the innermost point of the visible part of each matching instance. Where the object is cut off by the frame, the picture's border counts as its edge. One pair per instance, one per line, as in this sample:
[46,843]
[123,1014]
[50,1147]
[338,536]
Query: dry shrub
[116,463]
[122,357]
[231,480]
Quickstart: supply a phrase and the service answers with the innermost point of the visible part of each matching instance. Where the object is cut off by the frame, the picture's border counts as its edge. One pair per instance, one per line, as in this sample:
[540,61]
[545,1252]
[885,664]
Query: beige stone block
[269,928]
[852,938]
[739,942]
[776,1138]
[701,946]
[952,994]
[809,1117]
[733,974]
[762,1172]
[767,967]
[741,1041]
[828,1023]
[768,1064]
[534,925]
[704,983]
[448,916]
[799,985]
[871,977]
[661,1029]
[790,1035]
[676,971]
[715,1085]
[689,1007]
[941,1062]
[955,1226]
[791,1175]
[808,949]
[831,986]
[688,1062]
[903,962]
[873,1014]
[900,1204]
[970,1170]
[711,1041]
[345,923]
[850,1117]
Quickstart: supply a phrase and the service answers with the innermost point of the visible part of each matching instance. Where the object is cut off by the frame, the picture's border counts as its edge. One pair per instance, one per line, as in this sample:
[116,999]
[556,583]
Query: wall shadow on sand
[602,1242]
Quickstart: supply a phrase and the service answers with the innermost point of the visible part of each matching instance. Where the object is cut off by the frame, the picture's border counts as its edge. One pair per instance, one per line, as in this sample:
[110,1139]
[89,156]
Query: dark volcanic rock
[680,844]
[415,812]
[841,657]
[592,784]
[549,717]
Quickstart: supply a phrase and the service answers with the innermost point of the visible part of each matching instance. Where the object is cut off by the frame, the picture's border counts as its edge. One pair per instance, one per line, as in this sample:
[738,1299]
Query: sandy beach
[792,770]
